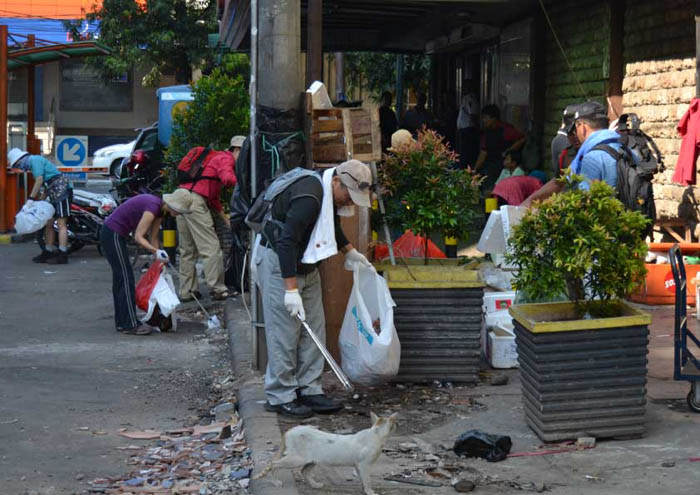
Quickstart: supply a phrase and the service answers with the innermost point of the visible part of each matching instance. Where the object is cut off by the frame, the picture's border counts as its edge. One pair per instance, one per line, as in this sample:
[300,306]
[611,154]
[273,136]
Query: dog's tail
[266,470]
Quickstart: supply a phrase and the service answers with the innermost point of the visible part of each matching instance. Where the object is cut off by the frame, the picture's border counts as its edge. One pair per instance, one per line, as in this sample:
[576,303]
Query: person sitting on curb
[303,231]
[590,124]
[196,233]
[58,189]
[142,216]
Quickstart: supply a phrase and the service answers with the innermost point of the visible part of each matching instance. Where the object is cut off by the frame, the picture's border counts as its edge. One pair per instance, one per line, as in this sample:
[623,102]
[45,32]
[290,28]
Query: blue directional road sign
[71,151]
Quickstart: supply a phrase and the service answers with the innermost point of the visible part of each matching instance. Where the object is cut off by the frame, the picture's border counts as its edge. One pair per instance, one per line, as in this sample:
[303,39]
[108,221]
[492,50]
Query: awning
[42,54]
[389,25]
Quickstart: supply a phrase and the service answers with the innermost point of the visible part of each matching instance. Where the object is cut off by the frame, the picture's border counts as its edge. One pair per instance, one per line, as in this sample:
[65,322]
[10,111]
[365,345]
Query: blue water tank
[171,100]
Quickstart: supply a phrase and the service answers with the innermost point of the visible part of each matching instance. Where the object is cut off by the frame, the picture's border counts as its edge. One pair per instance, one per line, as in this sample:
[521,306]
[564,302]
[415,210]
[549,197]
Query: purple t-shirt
[127,216]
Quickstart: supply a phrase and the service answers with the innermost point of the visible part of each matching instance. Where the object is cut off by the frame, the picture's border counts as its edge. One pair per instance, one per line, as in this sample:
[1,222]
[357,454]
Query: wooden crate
[339,134]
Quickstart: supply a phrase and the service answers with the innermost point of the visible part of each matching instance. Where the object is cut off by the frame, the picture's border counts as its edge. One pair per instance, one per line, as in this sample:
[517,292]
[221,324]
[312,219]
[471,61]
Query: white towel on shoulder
[322,243]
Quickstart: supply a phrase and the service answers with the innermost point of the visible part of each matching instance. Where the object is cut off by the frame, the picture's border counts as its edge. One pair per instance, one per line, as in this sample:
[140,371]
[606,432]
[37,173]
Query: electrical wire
[566,59]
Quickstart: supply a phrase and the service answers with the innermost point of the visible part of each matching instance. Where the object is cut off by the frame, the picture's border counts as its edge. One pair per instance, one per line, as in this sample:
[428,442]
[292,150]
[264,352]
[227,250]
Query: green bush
[584,244]
[220,110]
[425,193]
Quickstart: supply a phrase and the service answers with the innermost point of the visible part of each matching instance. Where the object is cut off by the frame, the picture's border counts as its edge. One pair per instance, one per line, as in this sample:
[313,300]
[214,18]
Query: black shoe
[60,258]
[44,256]
[321,404]
[293,409]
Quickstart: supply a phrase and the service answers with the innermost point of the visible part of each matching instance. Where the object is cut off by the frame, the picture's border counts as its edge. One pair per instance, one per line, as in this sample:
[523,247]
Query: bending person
[142,216]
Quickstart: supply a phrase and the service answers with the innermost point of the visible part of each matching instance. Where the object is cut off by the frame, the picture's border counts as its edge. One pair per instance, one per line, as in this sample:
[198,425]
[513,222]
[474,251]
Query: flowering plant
[425,193]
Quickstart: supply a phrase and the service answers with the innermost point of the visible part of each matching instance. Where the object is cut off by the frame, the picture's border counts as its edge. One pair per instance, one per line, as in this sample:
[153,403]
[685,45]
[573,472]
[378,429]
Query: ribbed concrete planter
[438,320]
[582,377]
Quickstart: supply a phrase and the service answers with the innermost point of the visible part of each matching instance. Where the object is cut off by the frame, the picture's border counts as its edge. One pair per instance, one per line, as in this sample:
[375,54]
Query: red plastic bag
[147,283]
[409,245]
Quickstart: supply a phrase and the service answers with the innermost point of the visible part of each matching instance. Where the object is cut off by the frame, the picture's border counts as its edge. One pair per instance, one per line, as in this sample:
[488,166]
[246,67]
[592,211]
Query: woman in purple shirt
[142,216]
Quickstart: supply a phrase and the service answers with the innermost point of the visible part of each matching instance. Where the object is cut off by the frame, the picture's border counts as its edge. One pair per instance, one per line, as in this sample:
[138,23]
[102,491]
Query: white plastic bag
[164,296]
[367,357]
[33,216]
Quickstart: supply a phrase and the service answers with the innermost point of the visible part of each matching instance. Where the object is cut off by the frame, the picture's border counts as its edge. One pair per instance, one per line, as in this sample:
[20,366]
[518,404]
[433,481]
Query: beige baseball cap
[357,177]
[237,142]
[399,139]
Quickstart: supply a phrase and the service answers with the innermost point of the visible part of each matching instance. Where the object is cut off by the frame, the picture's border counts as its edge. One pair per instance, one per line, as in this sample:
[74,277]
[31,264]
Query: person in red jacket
[197,236]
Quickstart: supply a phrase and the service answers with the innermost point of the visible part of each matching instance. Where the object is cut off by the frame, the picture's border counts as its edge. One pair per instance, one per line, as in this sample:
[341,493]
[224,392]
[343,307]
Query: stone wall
[659,83]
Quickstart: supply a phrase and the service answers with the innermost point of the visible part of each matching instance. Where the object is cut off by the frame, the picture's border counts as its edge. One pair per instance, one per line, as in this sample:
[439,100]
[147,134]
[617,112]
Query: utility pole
[279,54]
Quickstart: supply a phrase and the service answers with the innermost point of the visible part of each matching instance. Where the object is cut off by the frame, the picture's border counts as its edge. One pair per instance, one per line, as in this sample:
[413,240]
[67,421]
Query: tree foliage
[220,110]
[166,36]
[425,193]
[582,243]
[377,71]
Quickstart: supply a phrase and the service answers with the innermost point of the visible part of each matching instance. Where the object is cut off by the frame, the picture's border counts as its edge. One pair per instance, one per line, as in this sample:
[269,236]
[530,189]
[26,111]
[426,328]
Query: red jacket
[689,129]
[220,166]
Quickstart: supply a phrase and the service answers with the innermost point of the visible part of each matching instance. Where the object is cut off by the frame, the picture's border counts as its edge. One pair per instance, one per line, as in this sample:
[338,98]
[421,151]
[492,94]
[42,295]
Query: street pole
[3,127]
[252,284]
[339,76]
[314,41]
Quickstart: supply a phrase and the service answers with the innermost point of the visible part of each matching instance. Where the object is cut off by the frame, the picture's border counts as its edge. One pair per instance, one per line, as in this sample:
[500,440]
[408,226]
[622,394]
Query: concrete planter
[582,377]
[437,318]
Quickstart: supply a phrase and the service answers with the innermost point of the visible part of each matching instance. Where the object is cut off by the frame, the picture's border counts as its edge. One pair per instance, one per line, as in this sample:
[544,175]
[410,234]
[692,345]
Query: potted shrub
[438,313]
[582,360]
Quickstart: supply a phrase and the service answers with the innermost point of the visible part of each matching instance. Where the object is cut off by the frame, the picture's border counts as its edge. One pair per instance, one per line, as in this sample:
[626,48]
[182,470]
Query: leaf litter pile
[202,459]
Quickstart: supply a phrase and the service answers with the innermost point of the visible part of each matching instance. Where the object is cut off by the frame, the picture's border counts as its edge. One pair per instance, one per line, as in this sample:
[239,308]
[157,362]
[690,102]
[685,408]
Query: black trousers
[114,249]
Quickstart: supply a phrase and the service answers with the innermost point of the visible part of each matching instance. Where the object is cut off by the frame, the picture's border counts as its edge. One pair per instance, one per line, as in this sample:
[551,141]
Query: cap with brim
[400,138]
[357,177]
[237,142]
[588,110]
[180,201]
[568,117]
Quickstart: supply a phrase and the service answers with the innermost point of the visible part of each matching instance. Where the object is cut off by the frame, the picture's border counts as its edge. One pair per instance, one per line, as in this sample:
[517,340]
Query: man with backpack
[590,124]
[297,219]
[203,172]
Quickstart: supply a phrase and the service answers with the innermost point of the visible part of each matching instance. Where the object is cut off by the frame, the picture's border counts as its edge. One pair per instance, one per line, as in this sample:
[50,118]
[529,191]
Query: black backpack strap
[609,150]
[196,163]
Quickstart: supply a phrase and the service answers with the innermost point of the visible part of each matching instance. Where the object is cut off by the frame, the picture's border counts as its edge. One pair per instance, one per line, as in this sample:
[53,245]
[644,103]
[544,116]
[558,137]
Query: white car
[110,157]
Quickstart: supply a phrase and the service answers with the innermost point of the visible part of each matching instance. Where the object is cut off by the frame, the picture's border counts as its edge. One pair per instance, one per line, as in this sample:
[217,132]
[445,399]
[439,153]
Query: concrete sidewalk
[432,417]
[69,382]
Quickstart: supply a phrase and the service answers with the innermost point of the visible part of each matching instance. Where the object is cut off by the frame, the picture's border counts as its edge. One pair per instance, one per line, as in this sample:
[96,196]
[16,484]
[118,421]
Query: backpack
[638,160]
[260,214]
[190,171]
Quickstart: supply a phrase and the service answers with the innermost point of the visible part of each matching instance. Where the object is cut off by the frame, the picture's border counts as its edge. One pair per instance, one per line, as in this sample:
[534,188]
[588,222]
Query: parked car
[141,170]
[111,156]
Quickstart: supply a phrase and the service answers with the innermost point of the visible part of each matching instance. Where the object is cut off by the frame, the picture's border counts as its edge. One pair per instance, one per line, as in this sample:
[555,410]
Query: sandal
[221,296]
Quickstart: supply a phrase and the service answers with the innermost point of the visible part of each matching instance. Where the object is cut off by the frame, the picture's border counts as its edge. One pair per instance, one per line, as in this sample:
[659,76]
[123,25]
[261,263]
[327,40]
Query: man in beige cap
[236,145]
[304,230]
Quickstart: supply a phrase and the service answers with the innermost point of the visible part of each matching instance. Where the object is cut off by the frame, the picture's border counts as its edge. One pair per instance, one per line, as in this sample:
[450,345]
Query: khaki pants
[293,360]
[197,237]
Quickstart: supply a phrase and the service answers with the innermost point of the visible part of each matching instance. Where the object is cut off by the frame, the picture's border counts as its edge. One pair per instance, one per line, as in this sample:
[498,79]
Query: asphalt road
[69,381]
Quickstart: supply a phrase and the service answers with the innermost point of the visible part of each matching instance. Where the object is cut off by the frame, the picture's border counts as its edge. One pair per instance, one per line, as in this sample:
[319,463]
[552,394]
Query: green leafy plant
[376,72]
[582,243]
[162,36]
[220,110]
[425,193]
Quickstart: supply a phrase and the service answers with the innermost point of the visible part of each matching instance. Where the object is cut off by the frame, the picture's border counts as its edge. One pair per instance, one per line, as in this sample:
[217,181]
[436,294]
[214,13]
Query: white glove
[162,255]
[29,203]
[355,255]
[292,301]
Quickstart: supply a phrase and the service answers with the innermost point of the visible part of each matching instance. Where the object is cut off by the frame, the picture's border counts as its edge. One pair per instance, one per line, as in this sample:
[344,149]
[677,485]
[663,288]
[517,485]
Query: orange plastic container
[660,288]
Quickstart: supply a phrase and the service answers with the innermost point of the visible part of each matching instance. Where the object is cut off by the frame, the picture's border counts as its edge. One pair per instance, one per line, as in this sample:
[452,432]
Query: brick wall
[659,53]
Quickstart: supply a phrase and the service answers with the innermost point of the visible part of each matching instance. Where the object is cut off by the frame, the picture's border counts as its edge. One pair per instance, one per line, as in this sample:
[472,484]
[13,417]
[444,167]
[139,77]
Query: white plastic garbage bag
[164,296]
[33,216]
[369,346]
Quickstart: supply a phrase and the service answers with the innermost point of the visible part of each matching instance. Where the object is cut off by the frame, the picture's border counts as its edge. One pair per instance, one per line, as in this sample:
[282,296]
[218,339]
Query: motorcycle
[138,174]
[88,212]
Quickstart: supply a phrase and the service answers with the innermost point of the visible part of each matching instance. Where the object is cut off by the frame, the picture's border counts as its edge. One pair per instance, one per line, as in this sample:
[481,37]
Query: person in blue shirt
[590,124]
[50,184]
